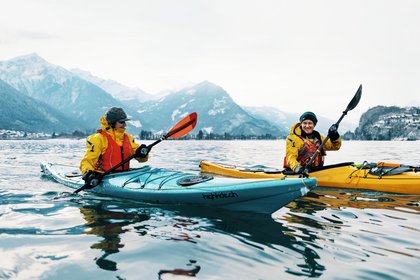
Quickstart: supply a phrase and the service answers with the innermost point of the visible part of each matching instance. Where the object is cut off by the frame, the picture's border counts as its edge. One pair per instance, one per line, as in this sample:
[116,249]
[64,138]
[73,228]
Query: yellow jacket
[294,143]
[97,144]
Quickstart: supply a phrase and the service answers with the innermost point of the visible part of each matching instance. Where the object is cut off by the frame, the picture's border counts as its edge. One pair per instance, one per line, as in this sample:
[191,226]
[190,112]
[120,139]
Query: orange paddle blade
[183,127]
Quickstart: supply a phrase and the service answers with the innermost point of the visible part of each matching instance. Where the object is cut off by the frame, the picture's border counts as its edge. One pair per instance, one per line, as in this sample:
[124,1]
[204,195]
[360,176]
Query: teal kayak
[164,186]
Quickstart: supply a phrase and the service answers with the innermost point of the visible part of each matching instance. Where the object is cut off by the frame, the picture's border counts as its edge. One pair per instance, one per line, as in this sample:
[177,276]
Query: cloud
[31,35]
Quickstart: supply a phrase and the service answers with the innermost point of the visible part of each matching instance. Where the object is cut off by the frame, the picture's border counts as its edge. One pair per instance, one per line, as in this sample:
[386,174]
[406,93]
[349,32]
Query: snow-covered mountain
[32,75]
[285,120]
[274,116]
[217,112]
[117,90]
[389,123]
[61,89]
[83,98]
[21,112]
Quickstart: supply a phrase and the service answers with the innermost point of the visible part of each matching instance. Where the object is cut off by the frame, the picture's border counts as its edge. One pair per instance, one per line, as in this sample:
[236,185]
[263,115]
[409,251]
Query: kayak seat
[192,180]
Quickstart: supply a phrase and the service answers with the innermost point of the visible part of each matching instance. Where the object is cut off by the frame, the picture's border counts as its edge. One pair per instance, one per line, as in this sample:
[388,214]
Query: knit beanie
[308,116]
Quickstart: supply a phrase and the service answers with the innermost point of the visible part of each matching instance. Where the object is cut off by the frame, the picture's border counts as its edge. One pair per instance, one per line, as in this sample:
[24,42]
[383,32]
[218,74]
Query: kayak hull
[347,176]
[163,186]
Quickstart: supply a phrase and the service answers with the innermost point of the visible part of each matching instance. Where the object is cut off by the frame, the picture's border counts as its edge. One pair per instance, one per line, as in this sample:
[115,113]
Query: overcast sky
[293,55]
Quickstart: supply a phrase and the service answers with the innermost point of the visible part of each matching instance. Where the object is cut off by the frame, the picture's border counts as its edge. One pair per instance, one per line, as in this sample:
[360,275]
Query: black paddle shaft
[353,103]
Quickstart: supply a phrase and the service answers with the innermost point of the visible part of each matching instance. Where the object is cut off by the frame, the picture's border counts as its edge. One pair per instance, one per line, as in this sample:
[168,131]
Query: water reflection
[262,230]
[108,221]
[358,227]
[109,225]
[324,198]
[329,209]
[181,272]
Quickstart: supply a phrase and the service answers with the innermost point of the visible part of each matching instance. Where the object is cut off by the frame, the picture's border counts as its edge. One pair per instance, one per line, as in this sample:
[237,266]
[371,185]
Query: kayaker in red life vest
[109,146]
[304,140]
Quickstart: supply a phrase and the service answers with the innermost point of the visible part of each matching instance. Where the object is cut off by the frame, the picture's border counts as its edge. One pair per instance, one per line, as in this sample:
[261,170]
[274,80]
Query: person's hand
[142,151]
[299,169]
[92,179]
[333,133]
[304,171]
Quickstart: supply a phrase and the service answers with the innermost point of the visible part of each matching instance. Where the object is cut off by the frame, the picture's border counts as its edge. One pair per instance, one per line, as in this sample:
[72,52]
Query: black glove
[92,179]
[333,133]
[142,151]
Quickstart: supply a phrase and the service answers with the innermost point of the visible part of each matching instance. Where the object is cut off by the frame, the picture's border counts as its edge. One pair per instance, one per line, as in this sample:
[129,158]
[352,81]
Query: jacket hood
[105,126]
[296,129]
[104,123]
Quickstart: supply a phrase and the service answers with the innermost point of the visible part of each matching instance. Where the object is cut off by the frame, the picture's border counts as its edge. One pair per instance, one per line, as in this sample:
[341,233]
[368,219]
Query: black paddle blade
[353,103]
[79,189]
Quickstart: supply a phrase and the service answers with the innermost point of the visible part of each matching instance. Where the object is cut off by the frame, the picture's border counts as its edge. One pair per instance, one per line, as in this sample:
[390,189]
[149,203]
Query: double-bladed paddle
[353,103]
[180,129]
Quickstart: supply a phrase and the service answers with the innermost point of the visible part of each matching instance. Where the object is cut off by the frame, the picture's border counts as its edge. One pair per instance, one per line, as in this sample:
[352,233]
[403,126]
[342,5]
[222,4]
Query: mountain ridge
[389,123]
[25,113]
[77,99]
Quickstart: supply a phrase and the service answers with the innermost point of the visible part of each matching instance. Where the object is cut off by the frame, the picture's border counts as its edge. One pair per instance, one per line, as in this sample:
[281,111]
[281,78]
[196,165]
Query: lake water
[328,234]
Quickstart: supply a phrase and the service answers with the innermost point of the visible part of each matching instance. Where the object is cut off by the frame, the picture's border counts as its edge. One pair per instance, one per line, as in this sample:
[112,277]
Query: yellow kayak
[383,177]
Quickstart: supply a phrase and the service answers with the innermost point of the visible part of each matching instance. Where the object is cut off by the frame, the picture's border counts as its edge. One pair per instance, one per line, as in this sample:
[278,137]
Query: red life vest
[307,151]
[114,154]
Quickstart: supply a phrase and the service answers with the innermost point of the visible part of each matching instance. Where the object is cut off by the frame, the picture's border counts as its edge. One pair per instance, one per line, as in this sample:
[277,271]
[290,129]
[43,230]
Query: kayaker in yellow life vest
[109,146]
[304,140]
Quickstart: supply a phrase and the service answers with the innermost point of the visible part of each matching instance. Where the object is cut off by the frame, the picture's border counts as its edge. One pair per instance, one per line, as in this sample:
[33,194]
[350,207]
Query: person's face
[308,126]
[120,124]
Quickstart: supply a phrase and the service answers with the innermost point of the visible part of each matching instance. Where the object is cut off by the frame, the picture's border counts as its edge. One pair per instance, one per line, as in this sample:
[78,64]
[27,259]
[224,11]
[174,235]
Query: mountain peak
[32,57]
[205,88]
[207,84]
[30,67]
[116,89]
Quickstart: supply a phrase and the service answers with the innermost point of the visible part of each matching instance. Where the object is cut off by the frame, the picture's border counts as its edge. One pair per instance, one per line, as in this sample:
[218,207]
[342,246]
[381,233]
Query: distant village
[144,135]
[20,135]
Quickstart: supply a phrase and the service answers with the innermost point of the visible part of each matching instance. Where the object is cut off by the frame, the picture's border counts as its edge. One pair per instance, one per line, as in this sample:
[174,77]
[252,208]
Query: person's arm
[94,145]
[333,143]
[292,150]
